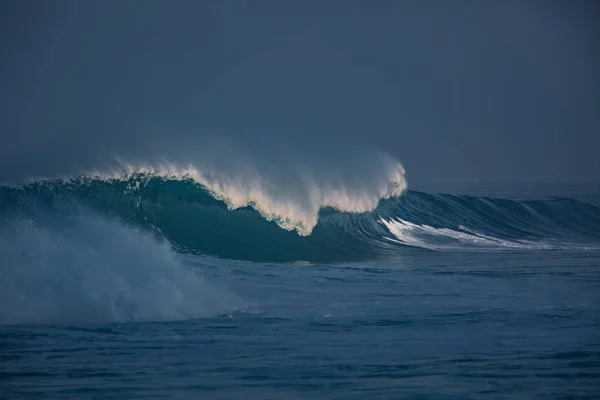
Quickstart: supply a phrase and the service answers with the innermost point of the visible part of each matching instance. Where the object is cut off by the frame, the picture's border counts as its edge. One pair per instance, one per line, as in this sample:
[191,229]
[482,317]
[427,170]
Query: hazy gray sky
[456,90]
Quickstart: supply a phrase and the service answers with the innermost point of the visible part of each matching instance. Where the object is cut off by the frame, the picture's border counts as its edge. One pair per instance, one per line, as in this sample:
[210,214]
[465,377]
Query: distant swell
[194,218]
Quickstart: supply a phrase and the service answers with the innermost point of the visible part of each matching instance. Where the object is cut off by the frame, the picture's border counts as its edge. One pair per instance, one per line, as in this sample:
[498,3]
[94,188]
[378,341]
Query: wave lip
[293,210]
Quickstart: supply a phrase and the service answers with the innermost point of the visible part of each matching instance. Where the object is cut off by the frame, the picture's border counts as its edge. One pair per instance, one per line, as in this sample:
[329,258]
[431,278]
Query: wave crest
[296,209]
[192,220]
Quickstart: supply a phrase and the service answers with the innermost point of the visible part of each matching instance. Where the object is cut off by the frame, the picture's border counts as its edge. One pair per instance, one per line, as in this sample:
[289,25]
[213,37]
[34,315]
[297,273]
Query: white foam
[293,204]
[428,237]
[88,269]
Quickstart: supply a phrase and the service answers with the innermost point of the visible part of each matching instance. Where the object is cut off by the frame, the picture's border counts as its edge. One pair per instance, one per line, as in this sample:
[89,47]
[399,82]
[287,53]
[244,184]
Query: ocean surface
[161,286]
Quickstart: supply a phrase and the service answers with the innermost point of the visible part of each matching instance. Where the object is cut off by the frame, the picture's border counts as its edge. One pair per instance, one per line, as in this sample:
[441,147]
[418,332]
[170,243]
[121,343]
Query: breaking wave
[327,223]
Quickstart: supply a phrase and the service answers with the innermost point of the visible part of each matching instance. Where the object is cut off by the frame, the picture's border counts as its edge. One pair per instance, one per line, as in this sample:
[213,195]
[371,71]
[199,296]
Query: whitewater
[182,280]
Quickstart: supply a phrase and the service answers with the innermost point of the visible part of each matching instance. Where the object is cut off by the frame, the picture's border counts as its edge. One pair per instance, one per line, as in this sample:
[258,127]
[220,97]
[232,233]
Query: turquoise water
[165,293]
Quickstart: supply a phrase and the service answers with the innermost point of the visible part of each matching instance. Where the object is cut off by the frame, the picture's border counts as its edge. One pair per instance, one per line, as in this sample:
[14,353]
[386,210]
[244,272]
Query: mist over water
[87,269]
[288,182]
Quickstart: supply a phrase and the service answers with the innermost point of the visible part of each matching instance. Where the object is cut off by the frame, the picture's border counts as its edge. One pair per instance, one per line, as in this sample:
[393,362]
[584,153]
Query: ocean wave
[296,209]
[195,218]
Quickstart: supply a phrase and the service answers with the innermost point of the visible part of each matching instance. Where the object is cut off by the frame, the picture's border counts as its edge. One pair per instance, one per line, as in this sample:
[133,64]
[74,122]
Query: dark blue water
[453,306]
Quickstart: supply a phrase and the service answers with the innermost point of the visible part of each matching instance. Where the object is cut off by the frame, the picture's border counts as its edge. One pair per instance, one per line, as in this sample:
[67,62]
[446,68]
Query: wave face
[208,219]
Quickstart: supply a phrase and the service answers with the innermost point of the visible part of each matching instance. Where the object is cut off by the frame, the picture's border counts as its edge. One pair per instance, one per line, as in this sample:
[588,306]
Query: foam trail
[88,269]
[431,238]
